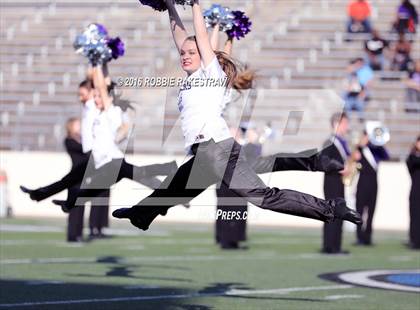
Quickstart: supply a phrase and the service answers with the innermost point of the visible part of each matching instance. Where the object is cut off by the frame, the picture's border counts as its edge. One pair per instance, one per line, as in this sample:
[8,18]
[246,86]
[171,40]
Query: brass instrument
[378,135]
[352,164]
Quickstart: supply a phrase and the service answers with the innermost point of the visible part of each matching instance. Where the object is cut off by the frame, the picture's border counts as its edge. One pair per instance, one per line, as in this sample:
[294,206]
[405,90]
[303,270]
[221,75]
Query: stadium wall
[34,169]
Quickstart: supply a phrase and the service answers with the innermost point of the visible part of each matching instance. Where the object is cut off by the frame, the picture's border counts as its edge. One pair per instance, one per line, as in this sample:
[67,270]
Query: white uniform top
[104,129]
[202,107]
[89,113]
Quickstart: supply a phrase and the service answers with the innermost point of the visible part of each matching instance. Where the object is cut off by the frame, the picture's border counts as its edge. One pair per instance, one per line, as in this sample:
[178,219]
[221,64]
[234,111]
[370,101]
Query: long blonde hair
[228,66]
[244,79]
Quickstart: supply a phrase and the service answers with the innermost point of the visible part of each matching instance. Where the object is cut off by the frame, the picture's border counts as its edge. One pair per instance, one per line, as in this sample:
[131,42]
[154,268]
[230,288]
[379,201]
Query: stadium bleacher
[302,46]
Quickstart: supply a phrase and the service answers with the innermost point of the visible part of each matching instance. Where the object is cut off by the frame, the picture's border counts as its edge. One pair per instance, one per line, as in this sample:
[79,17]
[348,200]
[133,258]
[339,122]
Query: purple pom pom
[241,25]
[102,30]
[158,5]
[116,46]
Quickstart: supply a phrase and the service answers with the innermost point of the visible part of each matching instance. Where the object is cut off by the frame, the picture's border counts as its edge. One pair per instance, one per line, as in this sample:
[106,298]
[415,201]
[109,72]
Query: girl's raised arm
[215,38]
[100,85]
[203,40]
[107,77]
[178,30]
[229,46]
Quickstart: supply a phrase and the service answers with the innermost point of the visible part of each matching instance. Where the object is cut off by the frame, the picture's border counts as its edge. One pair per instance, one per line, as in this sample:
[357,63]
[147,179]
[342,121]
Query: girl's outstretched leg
[177,189]
[245,182]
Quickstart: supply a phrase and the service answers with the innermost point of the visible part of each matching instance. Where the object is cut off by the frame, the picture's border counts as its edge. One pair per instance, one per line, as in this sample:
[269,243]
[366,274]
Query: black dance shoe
[342,212]
[33,193]
[123,213]
[139,217]
[62,204]
[324,163]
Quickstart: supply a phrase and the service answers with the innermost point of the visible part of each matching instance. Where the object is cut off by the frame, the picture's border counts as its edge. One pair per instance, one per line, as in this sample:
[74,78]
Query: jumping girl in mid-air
[216,155]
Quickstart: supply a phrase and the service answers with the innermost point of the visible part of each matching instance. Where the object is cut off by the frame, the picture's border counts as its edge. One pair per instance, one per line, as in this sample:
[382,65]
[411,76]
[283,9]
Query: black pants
[230,231]
[99,214]
[75,221]
[223,161]
[332,232]
[414,232]
[365,205]
[105,176]
[96,188]
[303,161]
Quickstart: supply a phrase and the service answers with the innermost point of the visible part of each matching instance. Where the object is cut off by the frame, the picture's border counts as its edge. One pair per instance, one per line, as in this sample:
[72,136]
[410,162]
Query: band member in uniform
[229,232]
[333,184]
[413,164]
[73,147]
[216,155]
[99,215]
[367,186]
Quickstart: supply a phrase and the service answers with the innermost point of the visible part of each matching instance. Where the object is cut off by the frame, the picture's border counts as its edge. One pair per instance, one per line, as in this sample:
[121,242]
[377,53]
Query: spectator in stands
[357,86]
[375,48]
[364,73]
[413,89]
[407,18]
[401,51]
[354,96]
[359,12]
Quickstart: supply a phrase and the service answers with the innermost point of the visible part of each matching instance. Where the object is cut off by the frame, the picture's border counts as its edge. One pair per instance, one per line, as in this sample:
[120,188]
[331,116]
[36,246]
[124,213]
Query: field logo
[396,280]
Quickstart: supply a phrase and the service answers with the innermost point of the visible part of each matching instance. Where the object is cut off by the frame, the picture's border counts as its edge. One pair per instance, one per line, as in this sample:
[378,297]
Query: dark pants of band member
[107,175]
[332,234]
[75,221]
[99,214]
[97,191]
[223,161]
[367,189]
[414,232]
[230,231]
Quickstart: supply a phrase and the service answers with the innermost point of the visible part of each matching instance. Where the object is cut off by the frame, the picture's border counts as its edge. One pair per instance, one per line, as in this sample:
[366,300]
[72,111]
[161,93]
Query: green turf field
[179,267]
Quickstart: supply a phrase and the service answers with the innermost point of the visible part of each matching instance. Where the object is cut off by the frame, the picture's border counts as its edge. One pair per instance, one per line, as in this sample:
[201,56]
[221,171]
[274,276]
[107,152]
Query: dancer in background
[109,163]
[98,217]
[99,214]
[413,164]
[101,124]
[216,156]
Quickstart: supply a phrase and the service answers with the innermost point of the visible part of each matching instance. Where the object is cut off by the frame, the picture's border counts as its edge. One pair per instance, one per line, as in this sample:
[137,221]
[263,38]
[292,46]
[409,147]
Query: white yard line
[54,229]
[280,291]
[338,297]
[268,255]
